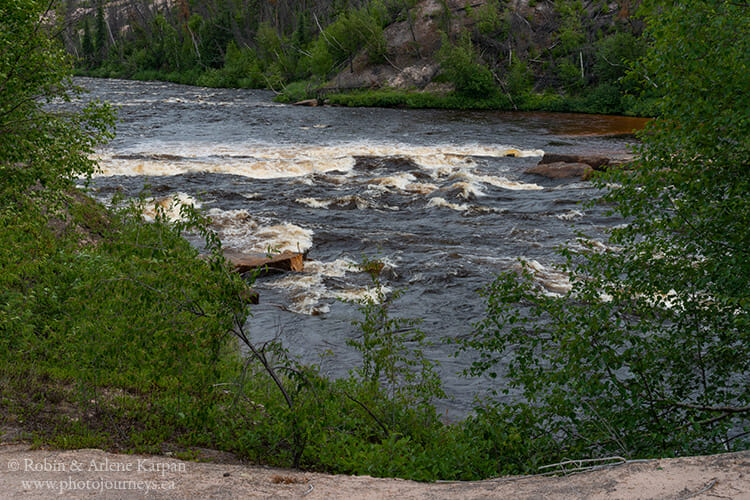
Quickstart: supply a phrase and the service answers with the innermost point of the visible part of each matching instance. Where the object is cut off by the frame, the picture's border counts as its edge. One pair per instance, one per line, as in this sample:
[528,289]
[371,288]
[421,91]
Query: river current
[440,196]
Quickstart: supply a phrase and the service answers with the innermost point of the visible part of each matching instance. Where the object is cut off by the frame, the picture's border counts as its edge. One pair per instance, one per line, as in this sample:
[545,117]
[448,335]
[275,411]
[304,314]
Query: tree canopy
[36,143]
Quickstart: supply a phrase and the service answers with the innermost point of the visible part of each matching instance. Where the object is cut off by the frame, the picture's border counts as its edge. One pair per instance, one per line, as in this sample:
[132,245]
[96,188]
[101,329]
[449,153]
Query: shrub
[648,353]
[460,67]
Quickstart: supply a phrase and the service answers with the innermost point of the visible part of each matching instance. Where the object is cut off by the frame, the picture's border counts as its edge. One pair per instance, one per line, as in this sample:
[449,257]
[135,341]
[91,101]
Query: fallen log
[307,102]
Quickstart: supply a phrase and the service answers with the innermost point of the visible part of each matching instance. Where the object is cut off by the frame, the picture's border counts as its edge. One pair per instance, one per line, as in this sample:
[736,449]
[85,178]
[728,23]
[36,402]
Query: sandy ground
[27,474]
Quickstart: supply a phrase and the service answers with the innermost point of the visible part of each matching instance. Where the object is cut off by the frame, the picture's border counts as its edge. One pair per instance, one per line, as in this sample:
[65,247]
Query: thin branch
[705,489]
[376,419]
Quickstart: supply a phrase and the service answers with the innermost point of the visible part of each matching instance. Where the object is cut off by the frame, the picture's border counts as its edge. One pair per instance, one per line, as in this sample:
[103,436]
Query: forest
[562,55]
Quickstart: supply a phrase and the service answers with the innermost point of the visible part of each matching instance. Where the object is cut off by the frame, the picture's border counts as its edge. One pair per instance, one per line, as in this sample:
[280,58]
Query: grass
[603,102]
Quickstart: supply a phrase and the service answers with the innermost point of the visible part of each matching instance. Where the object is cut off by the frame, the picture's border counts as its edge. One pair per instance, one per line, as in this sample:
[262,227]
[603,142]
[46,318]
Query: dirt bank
[27,474]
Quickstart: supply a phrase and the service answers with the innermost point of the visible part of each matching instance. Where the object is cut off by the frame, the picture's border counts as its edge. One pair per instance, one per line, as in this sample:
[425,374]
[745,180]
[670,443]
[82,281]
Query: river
[440,196]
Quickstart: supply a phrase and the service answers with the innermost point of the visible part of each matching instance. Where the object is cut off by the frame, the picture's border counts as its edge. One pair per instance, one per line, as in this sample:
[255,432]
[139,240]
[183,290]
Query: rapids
[440,196]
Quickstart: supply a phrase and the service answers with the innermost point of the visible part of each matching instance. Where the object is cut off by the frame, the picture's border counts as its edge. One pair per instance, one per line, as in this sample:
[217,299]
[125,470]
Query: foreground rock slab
[34,474]
[285,261]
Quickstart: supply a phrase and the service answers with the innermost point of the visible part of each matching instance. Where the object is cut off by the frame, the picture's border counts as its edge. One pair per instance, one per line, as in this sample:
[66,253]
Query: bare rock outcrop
[410,48]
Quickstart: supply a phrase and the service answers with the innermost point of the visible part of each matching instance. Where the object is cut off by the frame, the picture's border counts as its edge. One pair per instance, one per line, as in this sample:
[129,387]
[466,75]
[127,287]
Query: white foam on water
[442,202]
[314,203]
[306,290]
[570,215]
[286,236]
[364,294]
[168,205]
[467,190]
[398,181]
[589,245]
[336,268]
[504,183]
[238,230]
[268,161]
[554,282]
[359,202]
[474,179]
[423,188]
[255,167]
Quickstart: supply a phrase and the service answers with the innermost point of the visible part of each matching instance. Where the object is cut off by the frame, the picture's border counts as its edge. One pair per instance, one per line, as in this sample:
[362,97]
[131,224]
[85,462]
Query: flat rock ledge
[35,474]
[285,261]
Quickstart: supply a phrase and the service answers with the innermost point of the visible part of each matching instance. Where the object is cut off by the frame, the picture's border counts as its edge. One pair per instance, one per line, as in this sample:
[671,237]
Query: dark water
[433,193]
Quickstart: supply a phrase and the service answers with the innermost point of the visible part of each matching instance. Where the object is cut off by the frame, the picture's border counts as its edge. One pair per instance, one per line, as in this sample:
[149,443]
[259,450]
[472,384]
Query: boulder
[561,170]
[595,162]
[285,261]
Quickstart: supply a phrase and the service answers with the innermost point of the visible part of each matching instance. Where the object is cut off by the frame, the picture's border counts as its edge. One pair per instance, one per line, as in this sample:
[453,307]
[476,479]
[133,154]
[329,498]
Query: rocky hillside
[477,48]
[541,35]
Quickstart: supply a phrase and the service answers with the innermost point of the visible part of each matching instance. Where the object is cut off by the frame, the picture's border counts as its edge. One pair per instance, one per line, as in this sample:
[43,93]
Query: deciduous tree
[649,353]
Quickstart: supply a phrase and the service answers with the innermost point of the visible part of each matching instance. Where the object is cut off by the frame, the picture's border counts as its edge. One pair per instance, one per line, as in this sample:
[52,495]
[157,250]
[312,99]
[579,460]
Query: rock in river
[561,170]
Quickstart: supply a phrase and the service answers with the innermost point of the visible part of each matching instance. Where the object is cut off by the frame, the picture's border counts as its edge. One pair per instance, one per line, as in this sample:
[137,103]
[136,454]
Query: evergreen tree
[101,33]
[87,44]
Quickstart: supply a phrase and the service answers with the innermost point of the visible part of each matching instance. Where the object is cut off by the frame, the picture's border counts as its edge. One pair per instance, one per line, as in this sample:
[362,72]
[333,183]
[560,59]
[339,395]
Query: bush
[460,67]
[297,91]
[648,353]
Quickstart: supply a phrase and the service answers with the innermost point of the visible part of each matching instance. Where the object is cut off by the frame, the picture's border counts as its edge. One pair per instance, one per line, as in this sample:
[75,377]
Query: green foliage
[242,66]
[490,19]
[570,33]
[39,145]
[100,33]
[460,66]
[519,78]
[235,44]
[87,44]
[352,31]
[322,62]
[297,91]
[418,100]
[648,353]
[615,55]
[268,42]
[393,361]
[570,75]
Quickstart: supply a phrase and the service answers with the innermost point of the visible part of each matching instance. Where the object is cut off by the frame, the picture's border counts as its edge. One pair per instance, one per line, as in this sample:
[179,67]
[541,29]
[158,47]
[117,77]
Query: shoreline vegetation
[422,99]
[305,93]
[115,334]
[556,55]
